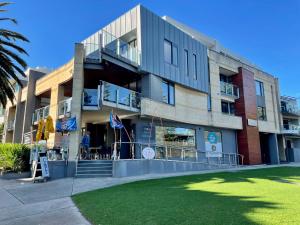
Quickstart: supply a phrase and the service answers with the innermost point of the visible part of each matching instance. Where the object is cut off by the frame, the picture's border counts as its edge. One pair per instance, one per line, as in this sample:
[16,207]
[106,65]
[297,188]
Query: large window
[175,136]
[259,86]
[195,66]
[228,108]
[186,62]
[170,52]
[261,113]
[168,93]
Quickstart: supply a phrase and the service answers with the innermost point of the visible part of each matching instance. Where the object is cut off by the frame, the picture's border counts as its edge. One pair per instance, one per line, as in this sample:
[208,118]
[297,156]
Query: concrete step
[94,161]
[94,167]
[92,175]
[92,172]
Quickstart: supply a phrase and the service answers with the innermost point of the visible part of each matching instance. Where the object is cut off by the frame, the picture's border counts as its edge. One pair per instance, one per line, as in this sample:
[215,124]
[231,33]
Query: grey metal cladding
[153,32]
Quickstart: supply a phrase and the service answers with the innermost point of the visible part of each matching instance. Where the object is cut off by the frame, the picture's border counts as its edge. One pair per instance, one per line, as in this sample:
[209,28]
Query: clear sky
[266,32]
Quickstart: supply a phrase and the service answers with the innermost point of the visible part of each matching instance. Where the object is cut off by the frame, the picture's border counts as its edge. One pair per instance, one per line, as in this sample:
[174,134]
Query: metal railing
[110,93]
[40,113]
[175,153]
[112,45]
[290,129]
[229,90]
[29,137]
[10,125]
[64,107]
[292,110]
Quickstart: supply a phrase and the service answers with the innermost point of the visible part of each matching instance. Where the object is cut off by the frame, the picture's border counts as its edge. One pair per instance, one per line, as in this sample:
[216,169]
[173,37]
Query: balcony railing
[111,95]
[64,107]
[290,110]
[10,125]
[112,46]
[40,113]
[291,129]
[230,90]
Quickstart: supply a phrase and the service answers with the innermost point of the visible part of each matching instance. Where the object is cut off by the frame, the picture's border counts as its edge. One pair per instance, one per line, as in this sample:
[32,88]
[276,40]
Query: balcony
[229,90]
[290,111]
[10,125]
[40,114]
[291,129]
[111,95]
[64,107]
[113,46]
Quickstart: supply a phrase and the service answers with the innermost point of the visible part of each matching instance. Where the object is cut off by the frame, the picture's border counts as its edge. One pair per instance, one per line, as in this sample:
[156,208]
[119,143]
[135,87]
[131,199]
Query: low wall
[127,168]
[61,169]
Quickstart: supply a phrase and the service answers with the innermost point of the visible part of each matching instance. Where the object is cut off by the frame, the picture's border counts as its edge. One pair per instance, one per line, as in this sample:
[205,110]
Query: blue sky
[266,32]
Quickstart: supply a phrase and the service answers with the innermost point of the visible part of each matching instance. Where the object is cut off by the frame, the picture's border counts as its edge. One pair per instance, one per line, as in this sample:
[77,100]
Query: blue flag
[115,122]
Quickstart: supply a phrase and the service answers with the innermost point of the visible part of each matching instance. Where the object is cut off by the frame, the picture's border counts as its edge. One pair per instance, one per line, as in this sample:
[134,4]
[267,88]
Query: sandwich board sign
[44,166]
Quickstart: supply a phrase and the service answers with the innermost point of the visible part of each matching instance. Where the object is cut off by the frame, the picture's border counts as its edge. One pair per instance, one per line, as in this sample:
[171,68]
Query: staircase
[94,168]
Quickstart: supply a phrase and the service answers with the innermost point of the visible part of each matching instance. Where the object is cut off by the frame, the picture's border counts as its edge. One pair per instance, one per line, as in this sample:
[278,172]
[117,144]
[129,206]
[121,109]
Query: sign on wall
[213,144]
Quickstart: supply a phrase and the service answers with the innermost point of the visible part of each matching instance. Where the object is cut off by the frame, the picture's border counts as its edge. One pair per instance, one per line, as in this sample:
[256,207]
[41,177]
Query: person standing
[85,143]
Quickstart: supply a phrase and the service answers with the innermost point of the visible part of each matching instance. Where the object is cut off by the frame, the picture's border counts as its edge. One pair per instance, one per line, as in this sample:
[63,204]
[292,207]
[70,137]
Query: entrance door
[265,149]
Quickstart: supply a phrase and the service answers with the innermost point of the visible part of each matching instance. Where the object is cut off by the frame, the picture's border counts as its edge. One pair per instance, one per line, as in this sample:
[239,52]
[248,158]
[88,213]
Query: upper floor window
[195,66]
[259,86]
[226,79]
[261,113]
[228,108]
[170,52]
[186,62]
[168,93]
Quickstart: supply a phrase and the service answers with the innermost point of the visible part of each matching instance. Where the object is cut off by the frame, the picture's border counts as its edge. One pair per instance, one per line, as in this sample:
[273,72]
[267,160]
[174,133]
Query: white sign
[44,166]
[148,153]
[252,123]
[213,144]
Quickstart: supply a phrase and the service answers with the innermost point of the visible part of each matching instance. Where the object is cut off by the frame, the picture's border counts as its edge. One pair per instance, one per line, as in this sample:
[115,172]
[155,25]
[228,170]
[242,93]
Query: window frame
[173,53]
[170,98]
[260,85]
[195,66]
[264,113]
[186,62]
[229,107]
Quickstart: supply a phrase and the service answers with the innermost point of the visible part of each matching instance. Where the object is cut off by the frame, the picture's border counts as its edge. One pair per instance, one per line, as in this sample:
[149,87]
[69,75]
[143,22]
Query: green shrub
[14,157]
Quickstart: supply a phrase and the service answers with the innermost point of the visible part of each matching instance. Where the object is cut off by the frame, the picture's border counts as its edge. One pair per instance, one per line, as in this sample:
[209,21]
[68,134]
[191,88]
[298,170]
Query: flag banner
[115,121]
[66,125]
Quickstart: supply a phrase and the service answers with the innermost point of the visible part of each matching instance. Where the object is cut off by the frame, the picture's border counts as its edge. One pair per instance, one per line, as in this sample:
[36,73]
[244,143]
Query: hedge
[14,157]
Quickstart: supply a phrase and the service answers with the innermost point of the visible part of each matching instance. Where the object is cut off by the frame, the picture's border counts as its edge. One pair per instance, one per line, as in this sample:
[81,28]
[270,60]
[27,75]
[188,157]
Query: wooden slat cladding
[248,138]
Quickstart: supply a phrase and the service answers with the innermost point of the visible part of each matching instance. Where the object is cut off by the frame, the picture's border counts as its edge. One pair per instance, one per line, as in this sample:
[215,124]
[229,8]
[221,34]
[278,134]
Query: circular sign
[212,138]
[148,153]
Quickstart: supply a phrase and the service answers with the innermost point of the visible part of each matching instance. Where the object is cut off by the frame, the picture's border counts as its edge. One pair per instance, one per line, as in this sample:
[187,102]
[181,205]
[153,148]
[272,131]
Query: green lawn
[264,196]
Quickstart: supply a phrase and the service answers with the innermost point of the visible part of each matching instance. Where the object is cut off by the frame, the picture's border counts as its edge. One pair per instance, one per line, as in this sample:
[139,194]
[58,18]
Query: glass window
[195,66]
[228,107]
[175,55]
[261,113]
[168,51]
[165,92]
[175,136]
[168,93]
[186,62]
[259,86]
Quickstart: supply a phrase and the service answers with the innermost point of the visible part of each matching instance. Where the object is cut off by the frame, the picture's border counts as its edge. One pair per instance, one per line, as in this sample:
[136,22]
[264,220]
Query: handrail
[40,113]
[65,105]
[229,89]
[233,159]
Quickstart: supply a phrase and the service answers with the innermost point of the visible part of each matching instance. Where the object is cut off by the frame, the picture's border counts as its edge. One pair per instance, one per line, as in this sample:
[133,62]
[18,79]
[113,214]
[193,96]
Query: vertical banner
[213,144]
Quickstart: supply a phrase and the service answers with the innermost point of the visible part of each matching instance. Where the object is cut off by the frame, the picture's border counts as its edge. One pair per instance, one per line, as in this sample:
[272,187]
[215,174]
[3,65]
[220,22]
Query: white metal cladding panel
[153,32]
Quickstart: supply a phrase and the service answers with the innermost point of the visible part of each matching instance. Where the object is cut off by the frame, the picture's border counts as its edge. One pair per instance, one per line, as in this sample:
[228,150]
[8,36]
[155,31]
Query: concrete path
[27,203]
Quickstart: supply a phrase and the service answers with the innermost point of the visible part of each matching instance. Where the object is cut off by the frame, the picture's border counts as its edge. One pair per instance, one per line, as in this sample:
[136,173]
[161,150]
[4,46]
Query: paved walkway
[27,203]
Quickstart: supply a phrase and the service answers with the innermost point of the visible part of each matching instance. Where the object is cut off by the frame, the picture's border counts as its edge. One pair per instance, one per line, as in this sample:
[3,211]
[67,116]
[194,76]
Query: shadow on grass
[174,201]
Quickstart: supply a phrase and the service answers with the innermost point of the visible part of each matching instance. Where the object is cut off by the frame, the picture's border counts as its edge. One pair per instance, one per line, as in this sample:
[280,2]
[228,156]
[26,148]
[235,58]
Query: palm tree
[11,64]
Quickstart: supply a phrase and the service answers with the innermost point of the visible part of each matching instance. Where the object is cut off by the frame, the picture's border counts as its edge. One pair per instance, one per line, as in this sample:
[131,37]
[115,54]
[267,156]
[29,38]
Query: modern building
[170,85]
[289,140]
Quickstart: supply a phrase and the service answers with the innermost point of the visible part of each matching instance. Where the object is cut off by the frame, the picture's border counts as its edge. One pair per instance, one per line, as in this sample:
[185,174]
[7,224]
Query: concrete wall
[190,107]
[127,168]
[273,148]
